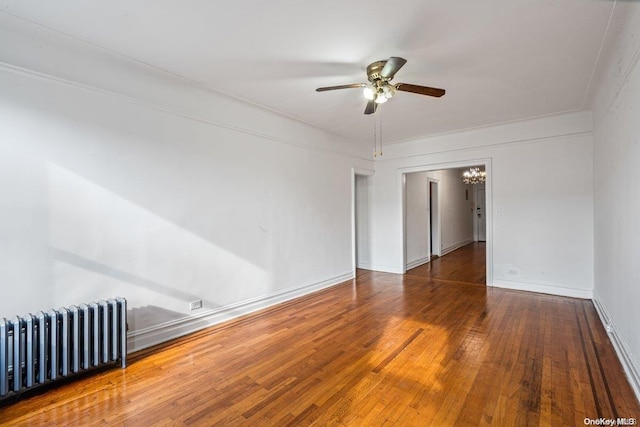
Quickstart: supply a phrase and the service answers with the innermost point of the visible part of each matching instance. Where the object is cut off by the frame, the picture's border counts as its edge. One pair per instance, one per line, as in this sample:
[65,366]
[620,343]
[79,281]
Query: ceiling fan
[380,89]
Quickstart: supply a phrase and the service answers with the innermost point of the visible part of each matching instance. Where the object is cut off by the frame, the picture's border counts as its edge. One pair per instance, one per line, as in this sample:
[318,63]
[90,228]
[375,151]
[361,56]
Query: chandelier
[474,176]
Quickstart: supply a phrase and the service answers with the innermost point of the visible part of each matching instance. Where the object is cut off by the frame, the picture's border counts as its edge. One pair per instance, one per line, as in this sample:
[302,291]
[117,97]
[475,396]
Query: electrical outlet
[194,305]
[513,272]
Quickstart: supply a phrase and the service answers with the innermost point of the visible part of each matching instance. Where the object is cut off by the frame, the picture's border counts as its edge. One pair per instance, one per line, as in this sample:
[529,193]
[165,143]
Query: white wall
[616,188]
[541,199]
[455,210]
[159,192]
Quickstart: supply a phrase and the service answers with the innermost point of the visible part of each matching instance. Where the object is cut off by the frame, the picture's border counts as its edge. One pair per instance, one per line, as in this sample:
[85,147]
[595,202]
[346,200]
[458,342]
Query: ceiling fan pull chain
[375,137]
[380,132]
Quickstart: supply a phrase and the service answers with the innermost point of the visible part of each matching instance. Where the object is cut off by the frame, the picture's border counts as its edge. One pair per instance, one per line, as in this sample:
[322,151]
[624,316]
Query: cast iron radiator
[45,347]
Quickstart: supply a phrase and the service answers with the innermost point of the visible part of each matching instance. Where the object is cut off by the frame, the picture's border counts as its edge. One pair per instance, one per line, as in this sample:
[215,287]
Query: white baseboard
[387,269]
[543,288]
[157,334]
[417,262]
[364,266]
[622,349]
[458,245]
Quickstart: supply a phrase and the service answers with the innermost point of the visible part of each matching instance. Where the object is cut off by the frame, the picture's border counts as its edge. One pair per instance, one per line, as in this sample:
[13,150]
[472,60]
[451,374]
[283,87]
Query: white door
[480,215]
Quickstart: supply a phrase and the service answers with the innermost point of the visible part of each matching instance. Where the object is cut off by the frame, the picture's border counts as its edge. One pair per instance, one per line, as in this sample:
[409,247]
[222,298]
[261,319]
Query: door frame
[401,189]
[354,244]
[476,225]
[434,242]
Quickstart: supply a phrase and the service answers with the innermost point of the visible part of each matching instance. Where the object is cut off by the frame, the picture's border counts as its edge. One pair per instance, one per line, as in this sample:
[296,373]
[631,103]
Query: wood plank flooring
[466,265]
[432,347]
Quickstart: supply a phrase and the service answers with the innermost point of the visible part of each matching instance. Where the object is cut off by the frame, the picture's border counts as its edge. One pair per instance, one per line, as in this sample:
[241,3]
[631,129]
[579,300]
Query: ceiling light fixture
[389,91]
[474,176]
[379,89]
[380,93]
[370,92]
[380,98]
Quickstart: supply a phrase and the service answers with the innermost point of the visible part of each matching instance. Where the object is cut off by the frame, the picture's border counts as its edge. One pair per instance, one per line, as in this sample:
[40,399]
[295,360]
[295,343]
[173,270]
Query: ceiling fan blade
[351,86]
[421,90]
[392,66]
[371,107]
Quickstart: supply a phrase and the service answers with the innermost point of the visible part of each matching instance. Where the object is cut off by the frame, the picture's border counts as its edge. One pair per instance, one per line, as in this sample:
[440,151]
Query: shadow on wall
[102,245]
[87,266]
[139,317]
[150,315]
[170,203]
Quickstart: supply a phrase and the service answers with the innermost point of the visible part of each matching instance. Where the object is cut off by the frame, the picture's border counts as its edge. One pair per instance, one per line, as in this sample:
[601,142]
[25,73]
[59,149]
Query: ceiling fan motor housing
[374,69]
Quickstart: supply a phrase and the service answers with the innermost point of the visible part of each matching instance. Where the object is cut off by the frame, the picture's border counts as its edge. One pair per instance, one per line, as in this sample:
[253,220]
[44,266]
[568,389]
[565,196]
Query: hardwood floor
[432,347]
[466,265]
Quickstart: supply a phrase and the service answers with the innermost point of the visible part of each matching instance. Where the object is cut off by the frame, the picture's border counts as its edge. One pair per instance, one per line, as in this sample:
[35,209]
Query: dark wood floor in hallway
[432,347]
[466,265]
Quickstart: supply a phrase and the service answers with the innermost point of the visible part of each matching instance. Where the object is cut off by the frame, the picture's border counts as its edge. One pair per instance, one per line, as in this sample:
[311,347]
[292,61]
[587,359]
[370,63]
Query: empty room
[319,213]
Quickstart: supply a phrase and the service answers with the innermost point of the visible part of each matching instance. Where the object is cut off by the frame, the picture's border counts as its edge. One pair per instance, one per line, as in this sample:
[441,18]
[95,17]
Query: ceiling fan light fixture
[379,88]
[389,91]
[369,92]
[381,98]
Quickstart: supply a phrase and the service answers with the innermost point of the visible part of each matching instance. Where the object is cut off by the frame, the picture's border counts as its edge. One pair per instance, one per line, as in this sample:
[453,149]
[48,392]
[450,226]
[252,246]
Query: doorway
[450,182]
[361,189]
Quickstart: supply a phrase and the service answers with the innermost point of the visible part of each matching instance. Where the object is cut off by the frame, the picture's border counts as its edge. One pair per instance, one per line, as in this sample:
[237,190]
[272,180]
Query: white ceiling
[499,60]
